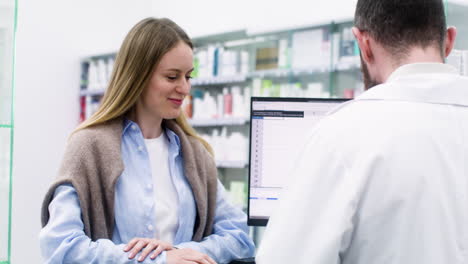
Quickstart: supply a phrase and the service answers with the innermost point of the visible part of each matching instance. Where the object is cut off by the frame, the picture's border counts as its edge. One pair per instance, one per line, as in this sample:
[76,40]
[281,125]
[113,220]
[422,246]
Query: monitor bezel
[252,221]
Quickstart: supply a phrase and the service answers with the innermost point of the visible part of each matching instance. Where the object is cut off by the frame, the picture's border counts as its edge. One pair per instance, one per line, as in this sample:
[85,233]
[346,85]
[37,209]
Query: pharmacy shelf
[5,126]
[234,121]
[273,73]
[219,80]
[228,164]
[92,92]
[278,73]
[351,65]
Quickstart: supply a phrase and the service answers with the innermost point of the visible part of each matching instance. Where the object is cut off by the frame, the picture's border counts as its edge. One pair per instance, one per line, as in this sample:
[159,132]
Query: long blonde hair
[140,53]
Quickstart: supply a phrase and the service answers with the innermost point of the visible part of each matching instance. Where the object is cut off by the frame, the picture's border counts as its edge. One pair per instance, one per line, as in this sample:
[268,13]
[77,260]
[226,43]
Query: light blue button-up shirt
[64,241]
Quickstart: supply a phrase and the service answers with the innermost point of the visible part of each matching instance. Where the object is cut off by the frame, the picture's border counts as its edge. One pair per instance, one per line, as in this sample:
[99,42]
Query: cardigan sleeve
[71,160]
[91,164]
[63,240]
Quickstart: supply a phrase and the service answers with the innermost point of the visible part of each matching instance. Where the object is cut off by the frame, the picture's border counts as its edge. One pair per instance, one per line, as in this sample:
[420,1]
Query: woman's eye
[188,77]
[172,77]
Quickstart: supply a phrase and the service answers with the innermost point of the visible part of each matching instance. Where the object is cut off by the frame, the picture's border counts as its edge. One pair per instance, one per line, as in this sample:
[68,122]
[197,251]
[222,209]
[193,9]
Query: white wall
[205,17]
[52,35]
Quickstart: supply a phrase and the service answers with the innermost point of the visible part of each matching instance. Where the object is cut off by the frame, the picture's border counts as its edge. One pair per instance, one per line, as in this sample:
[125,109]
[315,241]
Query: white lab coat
[384,179]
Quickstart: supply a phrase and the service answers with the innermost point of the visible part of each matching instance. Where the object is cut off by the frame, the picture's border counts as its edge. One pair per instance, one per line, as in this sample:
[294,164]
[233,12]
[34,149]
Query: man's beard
[369,82]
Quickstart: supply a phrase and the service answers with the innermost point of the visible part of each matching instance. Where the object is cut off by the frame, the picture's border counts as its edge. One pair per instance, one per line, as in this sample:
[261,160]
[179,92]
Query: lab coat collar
[421,68]
[422,82]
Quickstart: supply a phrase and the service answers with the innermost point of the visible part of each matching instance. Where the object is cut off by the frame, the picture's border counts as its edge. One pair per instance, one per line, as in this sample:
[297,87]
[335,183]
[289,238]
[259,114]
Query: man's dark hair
[400,24]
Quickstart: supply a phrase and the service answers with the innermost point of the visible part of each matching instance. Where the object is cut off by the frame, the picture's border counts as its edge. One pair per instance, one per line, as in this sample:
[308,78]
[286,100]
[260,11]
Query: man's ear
[364,44]
[449,43]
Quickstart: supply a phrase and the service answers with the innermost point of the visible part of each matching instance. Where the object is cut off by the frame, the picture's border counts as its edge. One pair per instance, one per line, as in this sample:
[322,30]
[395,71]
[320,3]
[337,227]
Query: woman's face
[169,84]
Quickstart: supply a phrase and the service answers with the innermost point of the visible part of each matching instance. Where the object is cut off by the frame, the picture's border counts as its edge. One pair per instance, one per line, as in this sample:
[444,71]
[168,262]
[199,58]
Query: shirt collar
[171,136]
[128,125]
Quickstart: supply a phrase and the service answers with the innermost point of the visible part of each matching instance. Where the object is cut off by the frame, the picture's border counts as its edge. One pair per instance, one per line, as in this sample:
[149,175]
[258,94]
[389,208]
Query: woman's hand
[149,244]
[188,256]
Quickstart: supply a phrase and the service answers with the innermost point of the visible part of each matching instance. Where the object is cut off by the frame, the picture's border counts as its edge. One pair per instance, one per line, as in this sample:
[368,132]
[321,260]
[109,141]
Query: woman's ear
[364,43]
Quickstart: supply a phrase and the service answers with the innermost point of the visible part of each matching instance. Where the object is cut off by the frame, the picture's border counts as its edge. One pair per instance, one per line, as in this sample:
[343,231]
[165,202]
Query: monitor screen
[278,129]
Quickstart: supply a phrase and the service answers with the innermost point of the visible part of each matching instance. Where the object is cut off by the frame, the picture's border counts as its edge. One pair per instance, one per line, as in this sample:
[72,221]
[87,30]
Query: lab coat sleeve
[313,222]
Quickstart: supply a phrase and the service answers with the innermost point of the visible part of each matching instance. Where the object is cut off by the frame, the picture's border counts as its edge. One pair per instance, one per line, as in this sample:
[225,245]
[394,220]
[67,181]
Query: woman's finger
[131,244]
[203,258]
[137,248]
[210,260]
[157,251]
[203,261]
[149,247]
[207,259]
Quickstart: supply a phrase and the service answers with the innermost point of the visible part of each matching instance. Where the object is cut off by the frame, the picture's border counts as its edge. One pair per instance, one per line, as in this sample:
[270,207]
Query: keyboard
[243,261]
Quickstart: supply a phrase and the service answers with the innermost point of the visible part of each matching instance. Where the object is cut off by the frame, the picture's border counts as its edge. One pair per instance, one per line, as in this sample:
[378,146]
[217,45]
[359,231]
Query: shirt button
[140,148]
[150,227]
[134,127]
[149,186]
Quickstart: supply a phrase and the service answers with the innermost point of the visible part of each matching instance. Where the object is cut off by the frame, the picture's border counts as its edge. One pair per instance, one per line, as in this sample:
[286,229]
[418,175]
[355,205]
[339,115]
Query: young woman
[137,184]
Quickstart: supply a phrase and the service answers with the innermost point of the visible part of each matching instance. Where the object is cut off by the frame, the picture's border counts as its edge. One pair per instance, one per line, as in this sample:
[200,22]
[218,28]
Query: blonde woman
[137,185]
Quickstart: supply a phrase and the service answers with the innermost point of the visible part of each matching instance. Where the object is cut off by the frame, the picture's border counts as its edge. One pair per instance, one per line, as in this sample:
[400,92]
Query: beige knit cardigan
[93,163]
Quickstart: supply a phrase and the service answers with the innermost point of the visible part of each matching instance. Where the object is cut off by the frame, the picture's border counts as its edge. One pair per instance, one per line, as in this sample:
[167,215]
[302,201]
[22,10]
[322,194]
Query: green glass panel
[8,14]
[4,191]
[7,22]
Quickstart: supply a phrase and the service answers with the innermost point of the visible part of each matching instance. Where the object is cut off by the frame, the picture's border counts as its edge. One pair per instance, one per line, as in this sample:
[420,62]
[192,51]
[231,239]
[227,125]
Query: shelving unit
[7,40]
[233,66]
[337,76]
[219,80]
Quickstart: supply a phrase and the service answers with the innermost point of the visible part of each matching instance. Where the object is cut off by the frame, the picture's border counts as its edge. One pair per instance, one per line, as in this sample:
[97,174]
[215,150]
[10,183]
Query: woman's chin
[173,114]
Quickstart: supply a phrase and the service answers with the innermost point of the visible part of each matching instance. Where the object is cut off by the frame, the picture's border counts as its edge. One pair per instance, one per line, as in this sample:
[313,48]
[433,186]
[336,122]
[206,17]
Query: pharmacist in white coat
[384,178]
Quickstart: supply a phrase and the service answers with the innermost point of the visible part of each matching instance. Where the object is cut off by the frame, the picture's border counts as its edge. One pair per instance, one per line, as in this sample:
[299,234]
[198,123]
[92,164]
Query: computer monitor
[278,129]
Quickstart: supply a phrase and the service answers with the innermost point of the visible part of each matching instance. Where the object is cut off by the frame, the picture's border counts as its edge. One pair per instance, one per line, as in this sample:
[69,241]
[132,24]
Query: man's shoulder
[354,114]
[358,123]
